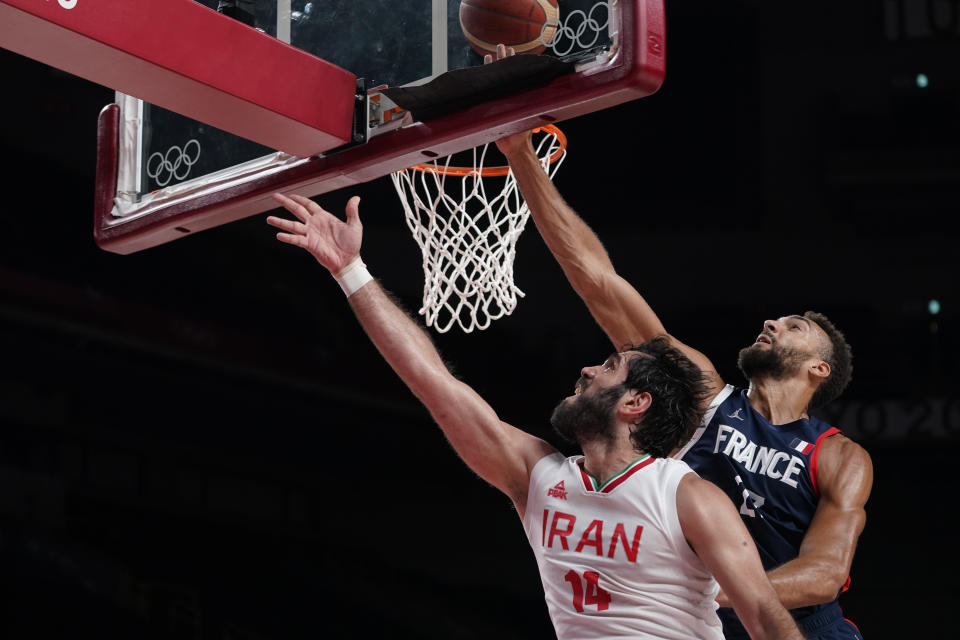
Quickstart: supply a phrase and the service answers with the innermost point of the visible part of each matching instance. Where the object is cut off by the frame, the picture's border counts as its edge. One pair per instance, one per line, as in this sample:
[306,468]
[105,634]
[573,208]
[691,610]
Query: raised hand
[333,242]
[503,51]
[517,141]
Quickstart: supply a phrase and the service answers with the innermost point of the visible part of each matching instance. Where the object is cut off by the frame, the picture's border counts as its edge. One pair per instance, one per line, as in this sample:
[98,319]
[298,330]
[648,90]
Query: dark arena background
[197,441]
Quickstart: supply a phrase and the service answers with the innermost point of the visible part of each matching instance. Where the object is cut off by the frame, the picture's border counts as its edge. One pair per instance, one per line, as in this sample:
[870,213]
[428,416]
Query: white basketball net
[467,225]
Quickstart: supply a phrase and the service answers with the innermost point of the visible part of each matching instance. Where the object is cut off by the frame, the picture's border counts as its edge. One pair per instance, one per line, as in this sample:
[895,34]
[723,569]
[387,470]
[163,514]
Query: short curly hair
[840,358]
[679,393]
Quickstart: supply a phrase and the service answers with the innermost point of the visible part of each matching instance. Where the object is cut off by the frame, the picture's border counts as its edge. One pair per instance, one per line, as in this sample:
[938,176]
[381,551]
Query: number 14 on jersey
[587,591]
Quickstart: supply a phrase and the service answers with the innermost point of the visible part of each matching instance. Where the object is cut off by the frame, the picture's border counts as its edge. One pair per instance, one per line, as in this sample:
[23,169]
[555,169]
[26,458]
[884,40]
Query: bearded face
[586,418]
[774,363]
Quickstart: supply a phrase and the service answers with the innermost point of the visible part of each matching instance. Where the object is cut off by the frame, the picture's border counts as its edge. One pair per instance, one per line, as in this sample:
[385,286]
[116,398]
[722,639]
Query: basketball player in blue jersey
[630,543]
[800,486]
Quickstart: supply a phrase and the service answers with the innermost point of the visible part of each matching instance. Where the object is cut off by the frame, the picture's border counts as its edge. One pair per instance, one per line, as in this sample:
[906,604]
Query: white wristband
[353,276]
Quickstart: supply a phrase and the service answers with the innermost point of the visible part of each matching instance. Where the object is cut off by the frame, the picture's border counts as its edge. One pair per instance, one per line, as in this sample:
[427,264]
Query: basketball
[526,25]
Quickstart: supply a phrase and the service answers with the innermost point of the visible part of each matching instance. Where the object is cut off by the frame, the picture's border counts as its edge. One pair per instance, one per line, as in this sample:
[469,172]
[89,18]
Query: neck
[603,460]
[780,401]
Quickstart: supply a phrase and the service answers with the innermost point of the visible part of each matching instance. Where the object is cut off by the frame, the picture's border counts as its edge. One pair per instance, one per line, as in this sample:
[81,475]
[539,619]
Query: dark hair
[840,359]
[679,394]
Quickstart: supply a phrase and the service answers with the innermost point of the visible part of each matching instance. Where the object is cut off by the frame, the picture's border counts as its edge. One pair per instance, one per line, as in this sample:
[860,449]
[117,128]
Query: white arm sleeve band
[353,276]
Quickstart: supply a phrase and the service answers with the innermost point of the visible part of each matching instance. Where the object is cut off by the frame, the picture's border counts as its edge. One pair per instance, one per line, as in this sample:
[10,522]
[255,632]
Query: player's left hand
[333,242]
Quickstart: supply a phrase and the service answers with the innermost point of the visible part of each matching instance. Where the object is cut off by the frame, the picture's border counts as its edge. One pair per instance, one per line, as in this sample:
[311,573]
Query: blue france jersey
[769,472]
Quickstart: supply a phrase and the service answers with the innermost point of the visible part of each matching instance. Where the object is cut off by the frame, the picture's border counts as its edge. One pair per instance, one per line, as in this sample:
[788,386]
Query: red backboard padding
[182,56]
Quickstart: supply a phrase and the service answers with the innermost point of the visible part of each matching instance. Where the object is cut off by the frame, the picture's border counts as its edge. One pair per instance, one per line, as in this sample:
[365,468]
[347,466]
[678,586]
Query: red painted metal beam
[185,57]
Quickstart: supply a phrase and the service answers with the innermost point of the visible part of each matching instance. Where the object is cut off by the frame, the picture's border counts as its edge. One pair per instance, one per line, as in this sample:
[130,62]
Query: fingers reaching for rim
[296,239]
[292,231]
[309,204]
[290,226]
[302,208]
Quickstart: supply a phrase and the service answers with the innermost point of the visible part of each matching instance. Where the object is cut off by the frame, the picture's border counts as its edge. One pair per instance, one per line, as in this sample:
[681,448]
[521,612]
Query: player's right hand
[518,141]
[333,242]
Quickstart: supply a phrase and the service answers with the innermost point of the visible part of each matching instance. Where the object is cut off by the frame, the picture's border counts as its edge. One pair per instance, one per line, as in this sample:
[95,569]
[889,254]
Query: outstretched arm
[716,533]
[499,453]
[614,303]
[818,573]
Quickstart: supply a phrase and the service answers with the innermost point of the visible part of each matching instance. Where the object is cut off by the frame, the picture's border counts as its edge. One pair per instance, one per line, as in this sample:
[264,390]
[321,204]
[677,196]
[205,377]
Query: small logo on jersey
[736,414]
[801,446]
[558,491]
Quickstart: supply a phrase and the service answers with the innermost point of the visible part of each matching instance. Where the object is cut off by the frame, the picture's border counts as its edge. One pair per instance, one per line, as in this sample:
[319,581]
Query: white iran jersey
[613,558]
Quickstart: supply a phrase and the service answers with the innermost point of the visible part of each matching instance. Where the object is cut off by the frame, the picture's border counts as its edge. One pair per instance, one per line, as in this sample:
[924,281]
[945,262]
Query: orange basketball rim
[490,172]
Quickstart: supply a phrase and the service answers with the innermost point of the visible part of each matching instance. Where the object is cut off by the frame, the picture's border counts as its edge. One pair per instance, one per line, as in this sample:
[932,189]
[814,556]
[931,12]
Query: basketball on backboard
[526,25]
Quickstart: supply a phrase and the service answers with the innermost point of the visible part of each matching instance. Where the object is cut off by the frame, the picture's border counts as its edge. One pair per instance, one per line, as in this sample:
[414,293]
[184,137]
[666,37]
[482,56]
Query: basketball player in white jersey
[628,541]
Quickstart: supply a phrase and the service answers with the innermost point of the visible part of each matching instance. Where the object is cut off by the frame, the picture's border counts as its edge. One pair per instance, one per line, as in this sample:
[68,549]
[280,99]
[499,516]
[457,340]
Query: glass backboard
[162,175]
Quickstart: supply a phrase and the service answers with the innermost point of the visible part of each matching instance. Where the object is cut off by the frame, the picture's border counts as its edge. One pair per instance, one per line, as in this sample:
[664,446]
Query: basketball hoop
[467,232]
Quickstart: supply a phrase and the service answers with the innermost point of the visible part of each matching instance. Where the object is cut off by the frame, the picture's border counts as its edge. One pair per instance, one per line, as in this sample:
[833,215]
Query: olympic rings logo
[569,36]
[67,4]
[175,163]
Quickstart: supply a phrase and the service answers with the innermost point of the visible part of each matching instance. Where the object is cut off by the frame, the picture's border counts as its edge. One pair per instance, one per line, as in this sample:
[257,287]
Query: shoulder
[695,488]
[840,449]
[700,502]
[844,467]
[666,475]
[674,466]
[548,471]
[727,395]
[551,462]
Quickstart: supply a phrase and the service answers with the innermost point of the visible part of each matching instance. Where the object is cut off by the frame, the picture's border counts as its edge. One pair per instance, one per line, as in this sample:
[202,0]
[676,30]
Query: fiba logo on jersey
[68,4]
